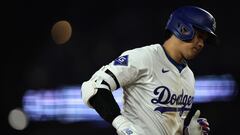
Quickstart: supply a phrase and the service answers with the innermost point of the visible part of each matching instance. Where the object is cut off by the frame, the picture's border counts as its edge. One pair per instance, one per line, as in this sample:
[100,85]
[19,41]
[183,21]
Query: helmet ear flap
[181,29]
[186,31]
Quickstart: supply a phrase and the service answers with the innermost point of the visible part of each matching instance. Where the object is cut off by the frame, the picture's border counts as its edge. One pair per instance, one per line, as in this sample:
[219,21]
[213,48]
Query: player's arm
[96,93]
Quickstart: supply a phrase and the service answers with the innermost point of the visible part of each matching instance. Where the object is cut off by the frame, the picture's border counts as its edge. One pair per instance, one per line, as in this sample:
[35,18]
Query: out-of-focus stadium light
[215,88]
[66,105]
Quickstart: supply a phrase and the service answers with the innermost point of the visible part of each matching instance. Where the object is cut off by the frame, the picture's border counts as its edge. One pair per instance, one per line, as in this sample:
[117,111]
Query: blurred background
[44,78]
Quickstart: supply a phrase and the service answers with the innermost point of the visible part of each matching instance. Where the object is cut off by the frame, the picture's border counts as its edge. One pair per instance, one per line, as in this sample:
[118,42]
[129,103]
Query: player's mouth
[196,50]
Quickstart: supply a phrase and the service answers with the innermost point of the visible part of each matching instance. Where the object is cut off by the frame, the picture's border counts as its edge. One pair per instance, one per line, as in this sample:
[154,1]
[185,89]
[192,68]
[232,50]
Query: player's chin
[191,56]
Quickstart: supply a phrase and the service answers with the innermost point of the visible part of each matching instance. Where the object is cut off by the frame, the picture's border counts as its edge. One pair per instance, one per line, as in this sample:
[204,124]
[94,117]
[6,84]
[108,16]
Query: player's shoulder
[141,55]
[150,48]
[144,50]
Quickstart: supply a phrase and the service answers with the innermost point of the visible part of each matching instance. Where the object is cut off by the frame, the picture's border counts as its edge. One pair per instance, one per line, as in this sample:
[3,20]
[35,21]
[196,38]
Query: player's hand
[125,127]
[197,126]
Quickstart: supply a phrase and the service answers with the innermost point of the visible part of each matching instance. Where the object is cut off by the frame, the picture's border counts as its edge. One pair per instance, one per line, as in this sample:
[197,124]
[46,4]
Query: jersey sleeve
[130,66]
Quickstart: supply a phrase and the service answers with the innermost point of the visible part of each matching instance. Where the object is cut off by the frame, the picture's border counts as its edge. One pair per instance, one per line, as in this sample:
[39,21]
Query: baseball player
[158,85]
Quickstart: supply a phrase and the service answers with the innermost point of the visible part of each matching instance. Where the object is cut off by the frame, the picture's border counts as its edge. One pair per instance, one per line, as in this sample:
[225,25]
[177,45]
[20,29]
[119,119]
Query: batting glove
[125,127]
[197,126]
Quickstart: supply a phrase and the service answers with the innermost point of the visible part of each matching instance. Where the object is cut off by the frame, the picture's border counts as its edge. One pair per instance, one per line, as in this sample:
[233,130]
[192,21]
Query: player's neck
[172,49]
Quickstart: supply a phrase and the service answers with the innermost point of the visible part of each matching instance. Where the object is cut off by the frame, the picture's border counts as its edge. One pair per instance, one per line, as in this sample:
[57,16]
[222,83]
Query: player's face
[192,48]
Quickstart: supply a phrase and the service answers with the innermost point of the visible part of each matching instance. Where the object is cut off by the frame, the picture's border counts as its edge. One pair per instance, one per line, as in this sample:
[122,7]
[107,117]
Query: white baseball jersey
[157,96]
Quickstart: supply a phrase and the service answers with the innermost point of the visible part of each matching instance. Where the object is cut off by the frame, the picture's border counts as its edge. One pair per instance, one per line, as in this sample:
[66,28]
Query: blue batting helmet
[184,21]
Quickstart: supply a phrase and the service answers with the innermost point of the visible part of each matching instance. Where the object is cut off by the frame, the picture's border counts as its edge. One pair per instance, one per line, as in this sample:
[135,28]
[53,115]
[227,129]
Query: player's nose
[201,44]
